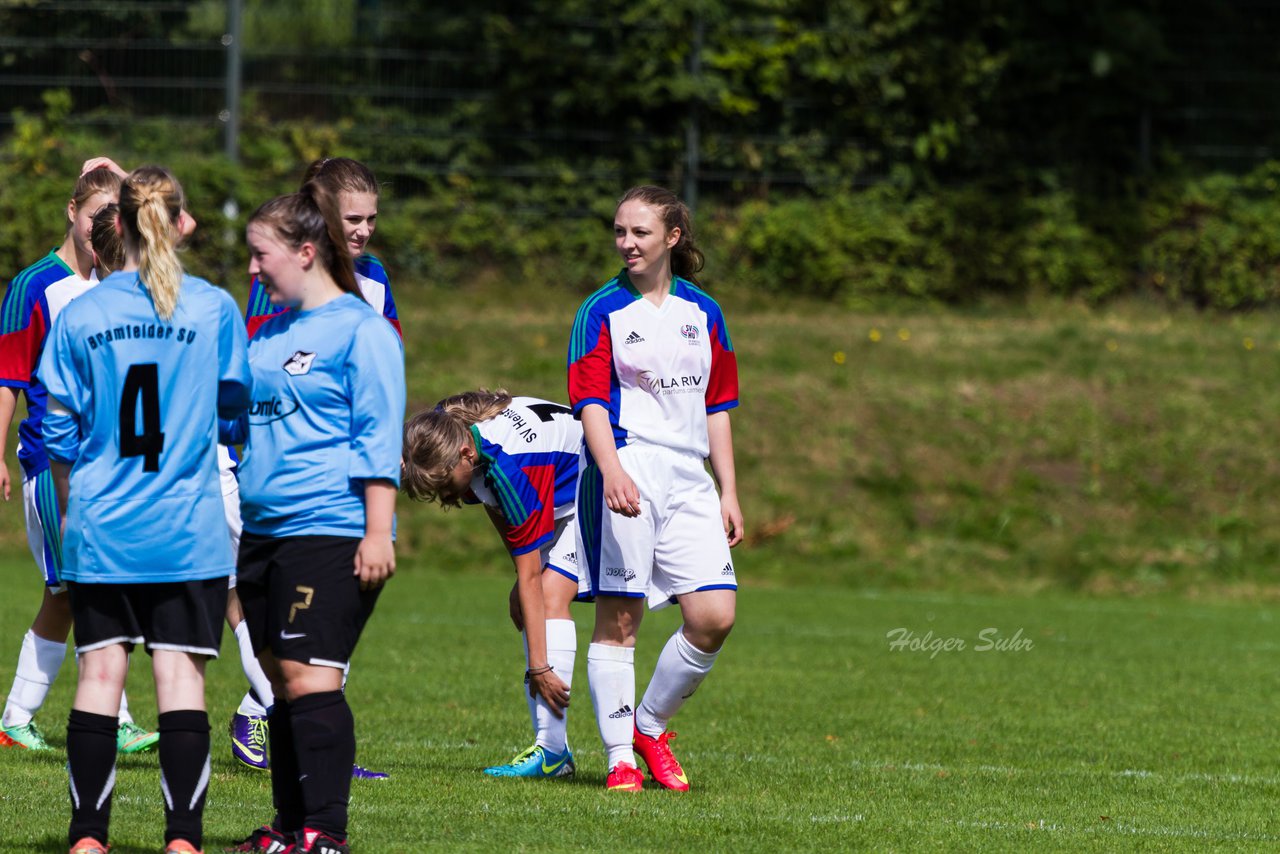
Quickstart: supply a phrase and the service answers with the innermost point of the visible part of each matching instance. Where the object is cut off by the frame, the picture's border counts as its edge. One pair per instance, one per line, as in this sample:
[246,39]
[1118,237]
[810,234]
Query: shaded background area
[864,151]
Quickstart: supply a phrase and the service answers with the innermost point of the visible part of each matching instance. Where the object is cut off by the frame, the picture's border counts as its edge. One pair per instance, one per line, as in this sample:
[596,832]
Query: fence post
[231,113]
[692,131]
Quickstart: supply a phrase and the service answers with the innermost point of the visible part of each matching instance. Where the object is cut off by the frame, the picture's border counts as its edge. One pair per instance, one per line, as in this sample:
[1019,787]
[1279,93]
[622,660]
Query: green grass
[1129,725]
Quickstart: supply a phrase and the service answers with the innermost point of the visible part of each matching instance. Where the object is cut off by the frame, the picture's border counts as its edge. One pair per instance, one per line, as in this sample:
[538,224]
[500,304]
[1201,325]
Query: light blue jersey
[327,415]
[137,403]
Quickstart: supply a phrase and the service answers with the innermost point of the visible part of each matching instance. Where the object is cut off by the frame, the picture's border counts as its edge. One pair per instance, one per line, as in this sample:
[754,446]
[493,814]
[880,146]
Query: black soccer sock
[286,791]
[324,733]
[184,773]
[91,772]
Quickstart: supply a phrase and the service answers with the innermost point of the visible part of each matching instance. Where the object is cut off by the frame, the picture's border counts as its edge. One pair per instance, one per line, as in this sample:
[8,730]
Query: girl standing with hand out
[318,487]
[652,376]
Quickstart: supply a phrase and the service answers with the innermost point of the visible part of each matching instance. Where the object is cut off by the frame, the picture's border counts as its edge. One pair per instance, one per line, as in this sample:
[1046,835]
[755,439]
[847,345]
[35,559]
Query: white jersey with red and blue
[31,303]
[371,277]
[658,370]
[528,469]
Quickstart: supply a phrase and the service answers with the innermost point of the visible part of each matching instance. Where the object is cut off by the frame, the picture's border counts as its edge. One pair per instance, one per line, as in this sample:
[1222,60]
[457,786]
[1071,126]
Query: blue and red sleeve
[590,361]
[722,387]
[525,496]
[260,308]
[22,333]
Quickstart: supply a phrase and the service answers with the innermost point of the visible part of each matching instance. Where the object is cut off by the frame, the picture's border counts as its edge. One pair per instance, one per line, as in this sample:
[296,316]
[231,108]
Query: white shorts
[560,555]
[230,501]
[44,528]
[676,545]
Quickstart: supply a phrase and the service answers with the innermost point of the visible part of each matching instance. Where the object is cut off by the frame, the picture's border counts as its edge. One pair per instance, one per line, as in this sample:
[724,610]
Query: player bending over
[518,458]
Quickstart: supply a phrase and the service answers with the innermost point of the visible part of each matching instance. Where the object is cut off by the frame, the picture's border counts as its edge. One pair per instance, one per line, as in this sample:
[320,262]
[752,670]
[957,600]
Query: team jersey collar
[332,305]
[625,280]
[482,461]
[53,253]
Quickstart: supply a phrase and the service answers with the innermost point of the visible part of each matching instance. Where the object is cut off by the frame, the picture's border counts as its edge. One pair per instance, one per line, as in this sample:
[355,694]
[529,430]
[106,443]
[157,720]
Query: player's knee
[708,631]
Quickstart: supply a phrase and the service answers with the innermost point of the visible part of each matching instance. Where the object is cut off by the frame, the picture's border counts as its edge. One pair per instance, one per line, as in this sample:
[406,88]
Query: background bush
[1208,241]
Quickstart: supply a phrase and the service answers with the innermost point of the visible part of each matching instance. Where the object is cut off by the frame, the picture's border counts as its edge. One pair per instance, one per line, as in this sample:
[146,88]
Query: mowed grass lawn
[1110,725]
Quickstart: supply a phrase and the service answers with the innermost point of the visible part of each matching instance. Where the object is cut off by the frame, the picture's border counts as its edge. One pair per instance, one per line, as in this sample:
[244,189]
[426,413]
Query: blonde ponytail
[151,202]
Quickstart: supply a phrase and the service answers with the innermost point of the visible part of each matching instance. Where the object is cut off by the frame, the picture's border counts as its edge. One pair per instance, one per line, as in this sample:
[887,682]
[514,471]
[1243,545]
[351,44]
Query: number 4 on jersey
[142,382]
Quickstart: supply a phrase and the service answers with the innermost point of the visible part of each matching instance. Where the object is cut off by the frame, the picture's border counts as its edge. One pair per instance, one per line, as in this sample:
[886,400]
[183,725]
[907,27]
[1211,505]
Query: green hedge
[1212,241]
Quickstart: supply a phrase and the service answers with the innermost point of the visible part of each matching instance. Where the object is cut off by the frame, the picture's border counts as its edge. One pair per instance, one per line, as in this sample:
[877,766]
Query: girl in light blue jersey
[318,486]
[138,370]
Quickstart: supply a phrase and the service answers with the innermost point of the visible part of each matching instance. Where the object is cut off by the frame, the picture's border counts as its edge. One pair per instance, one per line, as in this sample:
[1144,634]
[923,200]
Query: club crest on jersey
[690,333]
[299,363]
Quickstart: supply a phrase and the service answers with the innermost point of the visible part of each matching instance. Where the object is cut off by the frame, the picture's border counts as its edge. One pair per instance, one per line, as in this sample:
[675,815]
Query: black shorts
[301,597]
[184,616]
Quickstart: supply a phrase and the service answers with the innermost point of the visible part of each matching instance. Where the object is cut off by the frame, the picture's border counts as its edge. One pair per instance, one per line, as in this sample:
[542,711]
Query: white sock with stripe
[611,672]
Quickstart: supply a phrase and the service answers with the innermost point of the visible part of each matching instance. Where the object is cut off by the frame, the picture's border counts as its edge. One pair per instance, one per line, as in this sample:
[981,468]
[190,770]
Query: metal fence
[201,77]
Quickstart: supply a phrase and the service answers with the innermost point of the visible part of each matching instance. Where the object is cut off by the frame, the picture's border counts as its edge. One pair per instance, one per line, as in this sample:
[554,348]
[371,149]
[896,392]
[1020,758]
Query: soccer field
[1104,725]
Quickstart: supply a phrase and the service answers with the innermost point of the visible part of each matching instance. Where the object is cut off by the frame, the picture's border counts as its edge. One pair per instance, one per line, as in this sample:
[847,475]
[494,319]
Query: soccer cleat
[27,736]
[656,753]
[264,840]
[316,842]
[181,846]
[624,777]
[131,738]
[249,740]
[536,763]
[89,845]
[358,773]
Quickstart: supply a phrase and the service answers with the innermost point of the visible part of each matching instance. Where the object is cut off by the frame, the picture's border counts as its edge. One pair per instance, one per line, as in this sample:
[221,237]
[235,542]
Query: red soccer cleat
[624,777]
[656,753]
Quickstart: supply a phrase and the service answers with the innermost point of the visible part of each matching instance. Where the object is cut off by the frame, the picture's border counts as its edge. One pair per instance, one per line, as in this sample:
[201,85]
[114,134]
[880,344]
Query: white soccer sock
[123,716]
[681,669]
[253,672]
[38,665]
[251,707]
[562,650]
[611,674]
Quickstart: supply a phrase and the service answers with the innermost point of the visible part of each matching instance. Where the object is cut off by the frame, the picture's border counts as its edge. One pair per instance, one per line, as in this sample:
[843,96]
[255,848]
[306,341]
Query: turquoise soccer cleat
[536,763]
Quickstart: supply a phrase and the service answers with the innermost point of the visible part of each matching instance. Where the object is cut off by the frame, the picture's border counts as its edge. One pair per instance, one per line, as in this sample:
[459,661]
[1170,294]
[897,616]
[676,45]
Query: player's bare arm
[376,555]
[720,439]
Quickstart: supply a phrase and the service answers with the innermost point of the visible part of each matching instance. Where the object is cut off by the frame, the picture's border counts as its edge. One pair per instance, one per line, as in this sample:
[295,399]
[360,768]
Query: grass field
[1127,725]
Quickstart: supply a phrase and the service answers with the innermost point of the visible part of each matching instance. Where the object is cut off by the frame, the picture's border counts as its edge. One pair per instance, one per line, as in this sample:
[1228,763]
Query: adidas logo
[728,569]
[624,712]
[634,338]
